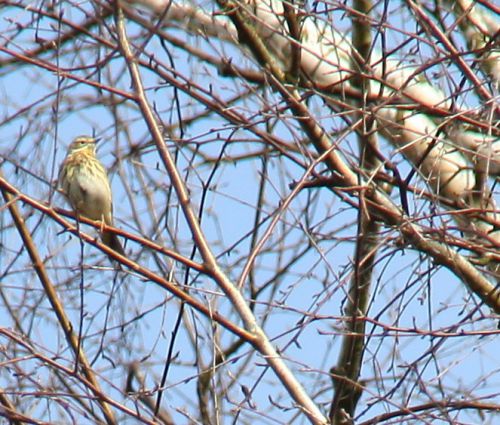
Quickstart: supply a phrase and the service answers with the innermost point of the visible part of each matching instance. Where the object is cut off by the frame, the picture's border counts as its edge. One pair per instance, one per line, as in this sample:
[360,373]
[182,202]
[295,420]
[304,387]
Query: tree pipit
[84,181]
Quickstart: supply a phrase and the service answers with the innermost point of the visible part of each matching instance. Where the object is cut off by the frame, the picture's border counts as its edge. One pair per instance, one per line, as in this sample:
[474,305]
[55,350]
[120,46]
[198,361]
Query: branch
[259,340]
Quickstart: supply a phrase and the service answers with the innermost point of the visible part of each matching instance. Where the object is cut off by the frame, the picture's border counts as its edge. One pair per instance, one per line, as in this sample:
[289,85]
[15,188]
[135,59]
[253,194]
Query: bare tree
[306,195]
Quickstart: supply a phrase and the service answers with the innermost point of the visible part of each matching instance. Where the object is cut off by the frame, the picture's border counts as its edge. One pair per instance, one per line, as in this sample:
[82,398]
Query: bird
[84,182]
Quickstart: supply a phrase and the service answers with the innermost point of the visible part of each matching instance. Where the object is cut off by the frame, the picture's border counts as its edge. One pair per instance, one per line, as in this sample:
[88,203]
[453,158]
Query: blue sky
[127,319]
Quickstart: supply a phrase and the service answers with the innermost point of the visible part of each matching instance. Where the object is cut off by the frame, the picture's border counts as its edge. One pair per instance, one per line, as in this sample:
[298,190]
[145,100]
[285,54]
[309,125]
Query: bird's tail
[110,239]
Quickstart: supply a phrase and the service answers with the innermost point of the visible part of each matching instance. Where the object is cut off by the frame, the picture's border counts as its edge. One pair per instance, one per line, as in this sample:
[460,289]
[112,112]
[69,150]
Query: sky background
[127,319]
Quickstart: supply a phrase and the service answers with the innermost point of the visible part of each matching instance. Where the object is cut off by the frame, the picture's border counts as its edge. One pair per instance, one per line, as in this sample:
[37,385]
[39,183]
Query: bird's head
[82,144]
